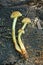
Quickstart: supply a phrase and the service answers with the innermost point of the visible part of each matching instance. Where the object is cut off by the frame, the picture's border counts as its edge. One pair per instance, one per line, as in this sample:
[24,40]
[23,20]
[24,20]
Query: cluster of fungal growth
[21,31]
[20,45]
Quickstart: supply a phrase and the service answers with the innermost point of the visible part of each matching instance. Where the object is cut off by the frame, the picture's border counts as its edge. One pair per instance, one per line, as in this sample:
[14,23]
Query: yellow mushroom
[26,21]
[15,16]
[20,32]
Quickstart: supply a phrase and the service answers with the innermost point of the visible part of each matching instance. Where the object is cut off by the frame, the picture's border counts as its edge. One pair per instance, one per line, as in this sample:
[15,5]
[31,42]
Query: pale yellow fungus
[20,32]
[15,16]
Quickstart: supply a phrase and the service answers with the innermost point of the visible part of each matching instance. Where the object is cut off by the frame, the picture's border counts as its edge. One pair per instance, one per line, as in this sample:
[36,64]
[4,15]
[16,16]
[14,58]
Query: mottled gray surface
[13,2]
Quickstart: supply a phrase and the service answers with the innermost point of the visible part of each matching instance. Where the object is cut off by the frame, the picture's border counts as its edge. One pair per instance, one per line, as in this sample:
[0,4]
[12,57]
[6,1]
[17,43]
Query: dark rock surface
[33,37]
[13,2]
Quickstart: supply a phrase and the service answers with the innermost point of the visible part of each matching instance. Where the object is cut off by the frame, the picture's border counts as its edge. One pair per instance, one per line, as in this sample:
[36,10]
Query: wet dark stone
[13,2]
[40,13]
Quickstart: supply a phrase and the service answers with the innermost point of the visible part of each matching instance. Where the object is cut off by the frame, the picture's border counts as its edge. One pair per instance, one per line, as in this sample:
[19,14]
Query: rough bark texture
[33,37]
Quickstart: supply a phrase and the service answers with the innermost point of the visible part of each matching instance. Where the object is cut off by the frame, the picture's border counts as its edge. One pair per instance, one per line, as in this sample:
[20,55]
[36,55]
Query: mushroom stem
[14,35]
[20,32]
[24,52]
[23,27]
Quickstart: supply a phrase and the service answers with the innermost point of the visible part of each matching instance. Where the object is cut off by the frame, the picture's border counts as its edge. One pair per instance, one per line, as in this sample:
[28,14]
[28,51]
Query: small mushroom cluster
[20,45]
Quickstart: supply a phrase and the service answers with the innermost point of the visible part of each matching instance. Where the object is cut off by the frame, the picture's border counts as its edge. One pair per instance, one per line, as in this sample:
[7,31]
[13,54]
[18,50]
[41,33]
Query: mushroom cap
[26,20]
[16,14]
[21,31]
